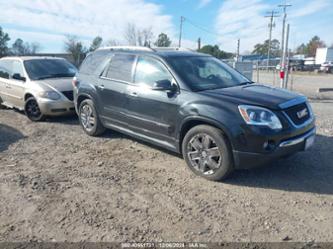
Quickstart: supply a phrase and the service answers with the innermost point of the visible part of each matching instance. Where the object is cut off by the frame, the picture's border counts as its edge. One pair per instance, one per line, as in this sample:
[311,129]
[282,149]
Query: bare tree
[76,49]
[112,42]
[130,34]
[138,37]
[147,36]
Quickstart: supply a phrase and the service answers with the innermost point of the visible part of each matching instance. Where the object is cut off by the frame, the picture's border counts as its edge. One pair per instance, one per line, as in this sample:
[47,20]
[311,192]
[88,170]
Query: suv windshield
[206,73]
[38,69]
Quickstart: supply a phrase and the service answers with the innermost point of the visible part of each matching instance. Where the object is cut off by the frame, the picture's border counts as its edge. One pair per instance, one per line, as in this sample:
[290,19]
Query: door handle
[101,87]
[8,86]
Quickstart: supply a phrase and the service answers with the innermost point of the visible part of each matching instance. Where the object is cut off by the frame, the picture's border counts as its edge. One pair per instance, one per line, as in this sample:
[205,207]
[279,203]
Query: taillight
[75,82]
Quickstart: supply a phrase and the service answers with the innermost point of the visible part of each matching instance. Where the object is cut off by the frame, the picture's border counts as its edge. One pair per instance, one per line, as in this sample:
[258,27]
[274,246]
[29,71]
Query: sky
[220,22]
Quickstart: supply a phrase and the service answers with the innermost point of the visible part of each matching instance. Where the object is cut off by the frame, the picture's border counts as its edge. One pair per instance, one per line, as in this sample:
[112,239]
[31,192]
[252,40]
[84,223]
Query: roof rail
[135,48]
[172,49]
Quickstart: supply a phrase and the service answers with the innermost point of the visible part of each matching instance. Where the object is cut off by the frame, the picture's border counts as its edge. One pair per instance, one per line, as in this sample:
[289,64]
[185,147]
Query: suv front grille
[298,114]
[69,95]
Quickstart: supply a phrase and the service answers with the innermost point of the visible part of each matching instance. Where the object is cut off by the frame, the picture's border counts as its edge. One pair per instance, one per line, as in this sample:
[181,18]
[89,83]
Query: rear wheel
[207,152]
[32,110]
[89,119]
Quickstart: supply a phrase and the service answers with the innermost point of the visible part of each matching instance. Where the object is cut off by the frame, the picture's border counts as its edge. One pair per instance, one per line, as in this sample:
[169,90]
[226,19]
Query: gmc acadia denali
[193,104]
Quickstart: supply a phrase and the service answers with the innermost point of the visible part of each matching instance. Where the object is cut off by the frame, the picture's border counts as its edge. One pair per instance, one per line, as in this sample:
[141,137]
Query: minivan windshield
[205,73]
[39,69]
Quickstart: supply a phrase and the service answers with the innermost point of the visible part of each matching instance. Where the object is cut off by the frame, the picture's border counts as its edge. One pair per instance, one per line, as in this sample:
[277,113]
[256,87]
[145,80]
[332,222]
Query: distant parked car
[40,86]
[327,67]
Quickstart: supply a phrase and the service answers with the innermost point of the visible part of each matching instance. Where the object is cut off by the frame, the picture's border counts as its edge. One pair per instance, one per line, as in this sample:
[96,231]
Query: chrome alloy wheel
[203,154]
[88,120]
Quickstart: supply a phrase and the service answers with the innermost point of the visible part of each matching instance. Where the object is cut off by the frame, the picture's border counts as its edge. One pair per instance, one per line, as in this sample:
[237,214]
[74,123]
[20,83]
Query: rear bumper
[246,160]
[56,108]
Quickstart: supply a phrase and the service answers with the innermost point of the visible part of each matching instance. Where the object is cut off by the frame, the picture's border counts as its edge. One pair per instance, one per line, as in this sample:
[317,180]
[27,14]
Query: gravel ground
[306,83]
[58,184]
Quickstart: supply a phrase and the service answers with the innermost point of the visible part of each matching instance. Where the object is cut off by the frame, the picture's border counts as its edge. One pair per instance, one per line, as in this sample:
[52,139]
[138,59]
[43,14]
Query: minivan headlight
[49,95]
[255,115]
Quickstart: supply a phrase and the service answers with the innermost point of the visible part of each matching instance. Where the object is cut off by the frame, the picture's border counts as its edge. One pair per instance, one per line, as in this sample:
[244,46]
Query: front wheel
[32,110]
[207,152]
[89,119]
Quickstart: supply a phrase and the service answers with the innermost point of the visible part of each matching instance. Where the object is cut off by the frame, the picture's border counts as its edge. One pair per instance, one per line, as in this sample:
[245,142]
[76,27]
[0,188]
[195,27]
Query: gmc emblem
[302,113]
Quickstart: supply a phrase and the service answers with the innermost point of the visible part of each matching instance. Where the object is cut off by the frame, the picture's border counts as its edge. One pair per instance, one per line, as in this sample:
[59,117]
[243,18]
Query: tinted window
[49,68]
[149,70]
[94,61]
[205,72]
[120,67]
[5,69]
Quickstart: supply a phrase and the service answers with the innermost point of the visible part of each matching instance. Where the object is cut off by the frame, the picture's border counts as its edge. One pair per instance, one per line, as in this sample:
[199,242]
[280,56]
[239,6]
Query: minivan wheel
[89,119]
[32,110]
[207,152]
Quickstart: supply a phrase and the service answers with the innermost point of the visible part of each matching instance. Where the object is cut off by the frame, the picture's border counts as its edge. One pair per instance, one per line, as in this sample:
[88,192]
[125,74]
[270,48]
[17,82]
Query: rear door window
[120,67]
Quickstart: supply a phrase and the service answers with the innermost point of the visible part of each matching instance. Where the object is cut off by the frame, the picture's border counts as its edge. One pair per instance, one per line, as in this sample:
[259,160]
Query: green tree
[262,48]
[96,43]
[163,41]
[20,47]
[313,44]
[302,49]
[4,39]
[76,49]
[215,51]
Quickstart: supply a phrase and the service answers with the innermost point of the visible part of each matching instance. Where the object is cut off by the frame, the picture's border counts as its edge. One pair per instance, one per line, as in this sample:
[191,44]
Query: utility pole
[199,43]
[182,19]
[238,46]
[287,56]
[270,25]
[282,61]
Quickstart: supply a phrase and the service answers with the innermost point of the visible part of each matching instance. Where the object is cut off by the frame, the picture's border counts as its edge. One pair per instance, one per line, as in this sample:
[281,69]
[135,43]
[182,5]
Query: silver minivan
[39,86]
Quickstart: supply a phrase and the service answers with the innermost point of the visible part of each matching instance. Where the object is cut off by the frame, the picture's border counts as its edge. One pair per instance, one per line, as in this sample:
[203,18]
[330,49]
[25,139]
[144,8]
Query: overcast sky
[215,21]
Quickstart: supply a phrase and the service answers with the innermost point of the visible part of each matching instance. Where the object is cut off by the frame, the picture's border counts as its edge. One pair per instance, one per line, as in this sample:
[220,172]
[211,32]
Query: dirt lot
[58,184]
[306,83]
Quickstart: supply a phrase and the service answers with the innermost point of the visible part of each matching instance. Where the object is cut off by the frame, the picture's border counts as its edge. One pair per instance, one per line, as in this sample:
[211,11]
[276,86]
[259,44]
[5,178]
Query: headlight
[50,95]
[255,115]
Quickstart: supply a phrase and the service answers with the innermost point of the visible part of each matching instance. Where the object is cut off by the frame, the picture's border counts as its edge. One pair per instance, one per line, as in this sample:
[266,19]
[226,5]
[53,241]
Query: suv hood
[60,84]
[255,94]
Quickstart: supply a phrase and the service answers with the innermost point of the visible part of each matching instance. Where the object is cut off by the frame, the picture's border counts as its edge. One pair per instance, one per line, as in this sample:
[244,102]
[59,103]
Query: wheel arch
[28,95]
[191,122]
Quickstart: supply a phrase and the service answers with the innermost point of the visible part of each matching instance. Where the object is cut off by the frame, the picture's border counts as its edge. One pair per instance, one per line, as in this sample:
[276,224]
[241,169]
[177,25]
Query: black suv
[193,104]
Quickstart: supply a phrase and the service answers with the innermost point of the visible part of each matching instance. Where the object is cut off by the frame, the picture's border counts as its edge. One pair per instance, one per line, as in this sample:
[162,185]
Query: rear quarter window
[94,62]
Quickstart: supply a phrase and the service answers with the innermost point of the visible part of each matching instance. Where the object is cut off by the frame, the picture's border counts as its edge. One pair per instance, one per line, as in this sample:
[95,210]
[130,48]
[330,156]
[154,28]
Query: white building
[323,55]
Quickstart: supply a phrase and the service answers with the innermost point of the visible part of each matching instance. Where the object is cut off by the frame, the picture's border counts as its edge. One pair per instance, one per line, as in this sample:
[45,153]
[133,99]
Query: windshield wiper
[53,76]
[245,83]
[43,77]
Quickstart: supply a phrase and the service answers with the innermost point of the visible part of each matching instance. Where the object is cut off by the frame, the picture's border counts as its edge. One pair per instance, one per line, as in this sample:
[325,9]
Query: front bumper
[246,160]
[56,107]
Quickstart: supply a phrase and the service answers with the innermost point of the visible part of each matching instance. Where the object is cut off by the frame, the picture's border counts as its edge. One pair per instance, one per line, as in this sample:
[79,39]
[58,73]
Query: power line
[202,28]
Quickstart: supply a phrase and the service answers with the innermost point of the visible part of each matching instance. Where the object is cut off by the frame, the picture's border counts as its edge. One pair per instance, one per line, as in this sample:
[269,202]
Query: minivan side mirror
[164,85]
[17,76]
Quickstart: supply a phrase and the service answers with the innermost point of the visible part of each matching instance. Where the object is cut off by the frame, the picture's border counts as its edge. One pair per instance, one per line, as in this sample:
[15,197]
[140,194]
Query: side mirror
[17,76]
[164,85]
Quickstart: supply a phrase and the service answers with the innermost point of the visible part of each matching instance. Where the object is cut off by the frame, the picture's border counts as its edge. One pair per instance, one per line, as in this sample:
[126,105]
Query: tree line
[135,36]
[308,49]
[19,47]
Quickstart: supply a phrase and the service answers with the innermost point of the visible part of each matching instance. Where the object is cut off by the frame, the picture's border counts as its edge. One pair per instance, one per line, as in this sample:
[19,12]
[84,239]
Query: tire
[212,159]
[32,110]
[89,119]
